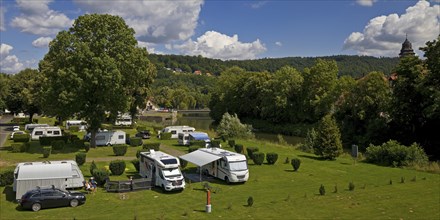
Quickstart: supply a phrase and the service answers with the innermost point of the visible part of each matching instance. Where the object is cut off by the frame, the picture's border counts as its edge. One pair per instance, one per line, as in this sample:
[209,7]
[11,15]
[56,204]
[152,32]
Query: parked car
[15,128]
[143,134]
[39,198]
[16,132]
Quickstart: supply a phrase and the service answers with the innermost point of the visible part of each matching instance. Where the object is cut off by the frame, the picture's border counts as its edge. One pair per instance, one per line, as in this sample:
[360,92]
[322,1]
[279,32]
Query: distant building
[406,49]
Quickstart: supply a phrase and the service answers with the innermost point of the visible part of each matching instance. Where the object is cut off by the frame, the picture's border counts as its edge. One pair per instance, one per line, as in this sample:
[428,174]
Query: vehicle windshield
[237,165]
[170,173]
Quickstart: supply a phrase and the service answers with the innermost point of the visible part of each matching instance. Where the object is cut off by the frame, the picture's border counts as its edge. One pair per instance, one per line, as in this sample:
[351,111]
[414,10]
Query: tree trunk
[92,139]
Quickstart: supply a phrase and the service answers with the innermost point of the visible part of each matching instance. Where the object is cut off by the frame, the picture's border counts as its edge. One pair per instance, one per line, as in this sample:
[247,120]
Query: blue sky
[227,29]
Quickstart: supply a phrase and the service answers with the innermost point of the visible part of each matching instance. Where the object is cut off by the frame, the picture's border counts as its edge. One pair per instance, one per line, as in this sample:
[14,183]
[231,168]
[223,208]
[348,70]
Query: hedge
[78,144]
[251,150]
[135,141]
[392,153]
[44,141]
[239,148]
[138,153]
[198,143]
[120,149]
[58,144]
[271,158]
[136,164]
[6,177]
[258,158]
[165,136]
[154,146]
[18,147]
[100,175]
[215,143]
[80,158]
[117,167]
[193,148]
[33,147]
[21,138]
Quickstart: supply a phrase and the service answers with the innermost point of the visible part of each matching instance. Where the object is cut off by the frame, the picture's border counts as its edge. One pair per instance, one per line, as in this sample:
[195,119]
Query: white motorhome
[175,130]
[187,138]
[163,169]
[62,174]
[45,132]
[124,120]
[30,127]
[82,125]
[226,165]
[109,138]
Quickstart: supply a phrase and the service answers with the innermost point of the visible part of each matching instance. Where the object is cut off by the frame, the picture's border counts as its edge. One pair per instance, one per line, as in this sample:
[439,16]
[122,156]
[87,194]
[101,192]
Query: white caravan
[62,174]
[163,169]
[175,130]
[30,127]
[226,165]
[45,132]
[82,125]
[187,138]
[124,120]
[109,138]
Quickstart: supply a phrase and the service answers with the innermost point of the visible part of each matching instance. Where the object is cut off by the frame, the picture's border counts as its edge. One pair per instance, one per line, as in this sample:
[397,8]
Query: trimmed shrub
[154,146]
[22,138]
[231,144]
[251,150]
[193,148]
[296,162]
[258,158]
[120,149]
[45,141]
[239,148]
[183,163]
[165,136]
[250,201]
[78,144]
[136,164]
[33,147]
[117,167]
[80,158]
[58,145]
[215,143]
[6,177]
[351,186]
[101,176]
[198,143]
[47,151]
[271,158]
[93,167]
[18,147]
[321,190]
[392,153]
[135,141]
[87,146]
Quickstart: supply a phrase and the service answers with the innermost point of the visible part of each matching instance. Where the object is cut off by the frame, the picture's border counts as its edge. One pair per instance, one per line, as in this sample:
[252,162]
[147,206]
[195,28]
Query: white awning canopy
[199,158]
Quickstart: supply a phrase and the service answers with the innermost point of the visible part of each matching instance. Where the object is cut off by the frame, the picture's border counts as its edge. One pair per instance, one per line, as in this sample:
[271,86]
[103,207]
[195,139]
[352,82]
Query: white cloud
[258,4]
[2,19]
[37,18]
[216,45]
[9,63]
[384,35]
[153,21]
[367,3]
[42,42]
[278,43]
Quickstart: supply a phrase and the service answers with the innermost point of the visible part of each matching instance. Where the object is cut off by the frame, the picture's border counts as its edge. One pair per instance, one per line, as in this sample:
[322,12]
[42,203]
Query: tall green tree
[327,143]
[4,89]
[93,68]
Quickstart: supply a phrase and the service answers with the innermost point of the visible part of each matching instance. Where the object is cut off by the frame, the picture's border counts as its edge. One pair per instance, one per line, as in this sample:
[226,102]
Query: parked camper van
[82,125]
[109,138]
[124,120]
[187,138]
[175,130]
[45,132]
[61,174]
[30,127]
[226,165]
[163,169]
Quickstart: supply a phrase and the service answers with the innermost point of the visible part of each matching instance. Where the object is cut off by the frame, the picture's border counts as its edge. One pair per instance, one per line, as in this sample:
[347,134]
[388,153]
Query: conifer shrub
[231,143]
[93,167]
[117,167]
[58,144]
[271,158]
[18,147]
[250,151]
[135,141]
[6,177]
[165,136]
[136,164]
[100,175]
[322,190]
[258,158]
[238,148]
[154,146]
[120,149]
[296,163]
[351,186]
[21,138]
[47,151]
[80,158]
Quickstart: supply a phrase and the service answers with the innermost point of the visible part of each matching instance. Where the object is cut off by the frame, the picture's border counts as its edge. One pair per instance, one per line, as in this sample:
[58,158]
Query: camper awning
[45,171]
[199,136]
[199,158]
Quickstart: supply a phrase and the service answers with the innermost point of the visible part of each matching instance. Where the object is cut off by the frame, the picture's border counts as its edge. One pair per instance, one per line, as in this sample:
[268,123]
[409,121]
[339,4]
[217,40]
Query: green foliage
[141,128]
[351,186]
[250,201]
[74,128]
[322,190]
[135,141]
[136,164]
[21,138]
[258,158]
[44,141]
[238,148]
[231,127]
[296,163]
[309,142]
[33,146]
[165,136]
[6,177]
[18,147]
[231,143]
[251,150]
[80,144]
[58,144]
[100,175]
[87,146]
[47,151]
[93,167]
[117,167]
[120,149]
[80,158]
[215,143]
[328,139]
[154,146]
[183,163]
[392,153]
[193,148]
[138,152]
[198,143]
[271,158]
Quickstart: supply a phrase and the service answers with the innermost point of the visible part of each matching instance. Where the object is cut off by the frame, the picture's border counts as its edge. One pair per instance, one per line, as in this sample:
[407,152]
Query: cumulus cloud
[9,63]
[2,19]
[219,46]
[42,42]
[258,4]
[367,3]
[153,21]
[36,18]
[278,43]
[384,35]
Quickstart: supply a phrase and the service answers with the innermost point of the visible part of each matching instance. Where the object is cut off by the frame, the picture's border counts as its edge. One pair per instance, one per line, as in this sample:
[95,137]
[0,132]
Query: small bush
[258,158]
[100,175]
[193,148]
[231,144]
[321,190]
[392,153]
[200,143]
[135,141]
[136,164]
[44,141]
[80,158]
[6,177]
[117,167]
[154,146]
[165,136]
[21,138]
[250,201]
[18,147]
[239,148]
[58,144]
[87,146]
[251,150]
[296,162]
[215,143]
[351,186]
[120,149]
[47,151]
[93,167]
[271,158]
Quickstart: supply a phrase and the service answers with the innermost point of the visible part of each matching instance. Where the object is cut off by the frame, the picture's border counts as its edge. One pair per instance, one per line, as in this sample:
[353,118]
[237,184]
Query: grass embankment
[278,192]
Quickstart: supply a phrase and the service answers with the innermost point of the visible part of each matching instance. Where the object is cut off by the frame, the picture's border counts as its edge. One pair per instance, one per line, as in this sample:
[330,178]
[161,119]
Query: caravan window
[121,136]
[56,132]
[173,132]
[49,132]
[39,133]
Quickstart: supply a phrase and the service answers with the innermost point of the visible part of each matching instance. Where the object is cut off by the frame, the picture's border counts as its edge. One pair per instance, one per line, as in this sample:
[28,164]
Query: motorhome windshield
[170,173]
[238,165]
[169,161]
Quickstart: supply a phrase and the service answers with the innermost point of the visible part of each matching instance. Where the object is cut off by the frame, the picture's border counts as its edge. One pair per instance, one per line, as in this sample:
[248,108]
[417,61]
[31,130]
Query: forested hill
[356,66]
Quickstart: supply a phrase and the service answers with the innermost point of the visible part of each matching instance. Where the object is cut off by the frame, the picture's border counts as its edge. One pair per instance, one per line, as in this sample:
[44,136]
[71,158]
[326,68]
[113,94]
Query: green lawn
[278,192]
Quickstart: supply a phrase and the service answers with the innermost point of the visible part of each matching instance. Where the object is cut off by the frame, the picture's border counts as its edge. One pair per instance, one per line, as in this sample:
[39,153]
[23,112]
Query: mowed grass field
[278,192]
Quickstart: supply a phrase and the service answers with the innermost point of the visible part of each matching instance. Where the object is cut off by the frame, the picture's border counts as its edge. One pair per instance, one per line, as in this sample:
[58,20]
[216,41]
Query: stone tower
[406,49]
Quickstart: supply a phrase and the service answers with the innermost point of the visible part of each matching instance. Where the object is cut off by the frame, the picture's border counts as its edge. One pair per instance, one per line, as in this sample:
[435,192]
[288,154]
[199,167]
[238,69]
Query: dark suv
[144,134]
[50,197]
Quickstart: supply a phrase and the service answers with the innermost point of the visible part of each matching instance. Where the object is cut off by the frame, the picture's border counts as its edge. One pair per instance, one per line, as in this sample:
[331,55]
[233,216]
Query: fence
[128,185]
